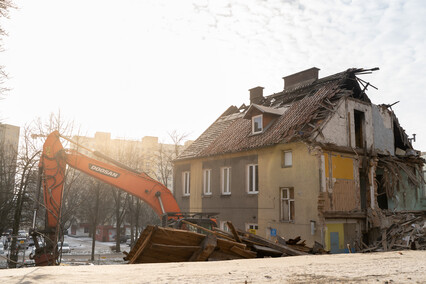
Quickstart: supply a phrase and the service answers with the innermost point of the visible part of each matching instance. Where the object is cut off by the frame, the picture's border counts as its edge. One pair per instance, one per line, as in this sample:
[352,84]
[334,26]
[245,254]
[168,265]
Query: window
[206,182]
[252,179]
[287,159]
[224,226]
[424,184]
[252,228]
[257,124]
[185,183]
[226,181]
[287,204]
[359,128]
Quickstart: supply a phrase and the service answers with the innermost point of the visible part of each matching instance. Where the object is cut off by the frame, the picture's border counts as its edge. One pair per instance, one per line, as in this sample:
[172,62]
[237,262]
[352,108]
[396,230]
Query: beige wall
[340,129]
[303,176]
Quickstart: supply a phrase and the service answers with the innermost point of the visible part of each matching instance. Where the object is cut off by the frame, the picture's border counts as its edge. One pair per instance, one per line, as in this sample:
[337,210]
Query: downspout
[372,195]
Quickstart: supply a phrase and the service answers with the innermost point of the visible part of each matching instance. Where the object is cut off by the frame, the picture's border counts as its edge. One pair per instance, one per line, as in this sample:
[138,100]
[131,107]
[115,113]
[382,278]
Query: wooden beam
[244,253]
[206,230]
[162,246]
[282,248]
[207,247]
[234,232]
[143,245]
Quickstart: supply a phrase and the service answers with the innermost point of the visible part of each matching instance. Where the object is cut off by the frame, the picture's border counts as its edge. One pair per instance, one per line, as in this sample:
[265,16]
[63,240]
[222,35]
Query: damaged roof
[300,112]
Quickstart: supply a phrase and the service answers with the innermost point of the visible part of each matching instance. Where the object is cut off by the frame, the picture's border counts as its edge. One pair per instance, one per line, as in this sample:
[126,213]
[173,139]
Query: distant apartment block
[9,142]
[9,139]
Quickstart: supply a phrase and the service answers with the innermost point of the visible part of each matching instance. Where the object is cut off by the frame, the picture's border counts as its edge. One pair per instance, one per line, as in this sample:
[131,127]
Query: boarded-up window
[287,204]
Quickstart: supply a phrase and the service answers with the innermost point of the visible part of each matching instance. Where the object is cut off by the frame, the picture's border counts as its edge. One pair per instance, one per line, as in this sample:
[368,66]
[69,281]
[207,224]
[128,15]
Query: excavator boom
[53,164]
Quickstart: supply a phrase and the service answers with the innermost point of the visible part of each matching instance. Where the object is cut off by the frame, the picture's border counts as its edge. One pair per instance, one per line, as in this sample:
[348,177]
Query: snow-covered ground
[83,245]
[387,267]
[81,249]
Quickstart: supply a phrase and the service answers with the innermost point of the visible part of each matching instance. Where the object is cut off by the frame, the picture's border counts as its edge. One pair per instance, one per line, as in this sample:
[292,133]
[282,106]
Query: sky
[148,68]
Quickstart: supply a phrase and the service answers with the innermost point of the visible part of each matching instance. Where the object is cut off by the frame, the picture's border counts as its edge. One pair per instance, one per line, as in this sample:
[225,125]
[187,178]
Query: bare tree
[7,185]
[5,5]
[95,206]
[165,156]
[178,139]
[26,179]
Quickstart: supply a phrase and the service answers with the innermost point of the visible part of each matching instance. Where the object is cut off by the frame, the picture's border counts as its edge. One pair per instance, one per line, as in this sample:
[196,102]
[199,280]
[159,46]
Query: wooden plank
[227,244]
[206,249]
[205,230]
[170,255]
[267,250]
[234,232]
[384,241]
[173,247]
[177,237]
[280,247]
[143,245]
[219,255]
[244,253]
[216,229]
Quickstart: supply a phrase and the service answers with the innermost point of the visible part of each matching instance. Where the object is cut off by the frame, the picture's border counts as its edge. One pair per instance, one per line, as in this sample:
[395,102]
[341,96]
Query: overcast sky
[146,68]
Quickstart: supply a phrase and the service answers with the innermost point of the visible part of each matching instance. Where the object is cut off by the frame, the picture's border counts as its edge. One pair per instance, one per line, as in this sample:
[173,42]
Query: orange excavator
[52,168]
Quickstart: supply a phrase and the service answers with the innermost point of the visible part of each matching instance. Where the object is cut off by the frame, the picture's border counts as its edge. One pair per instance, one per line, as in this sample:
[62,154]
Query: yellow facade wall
[341,167]
[303,176]
[338,227]
[343,186]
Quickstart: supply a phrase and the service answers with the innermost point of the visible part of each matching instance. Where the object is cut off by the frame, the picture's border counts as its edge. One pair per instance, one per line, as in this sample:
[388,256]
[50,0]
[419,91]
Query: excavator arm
[53,162]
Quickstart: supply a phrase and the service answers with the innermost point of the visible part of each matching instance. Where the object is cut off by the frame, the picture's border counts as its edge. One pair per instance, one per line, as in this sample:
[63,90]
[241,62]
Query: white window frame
[186,183]
[252,226]
[207,190]
[252,178]
[224,226]
[225,184]
[287,163]
[285,211]
[253,122]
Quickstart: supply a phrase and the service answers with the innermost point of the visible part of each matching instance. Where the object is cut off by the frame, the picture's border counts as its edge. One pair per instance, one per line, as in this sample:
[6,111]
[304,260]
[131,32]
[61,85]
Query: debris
[404,231]
[158,244]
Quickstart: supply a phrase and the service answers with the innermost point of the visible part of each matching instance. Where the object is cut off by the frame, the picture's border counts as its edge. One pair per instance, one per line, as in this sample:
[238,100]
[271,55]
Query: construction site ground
[382,267]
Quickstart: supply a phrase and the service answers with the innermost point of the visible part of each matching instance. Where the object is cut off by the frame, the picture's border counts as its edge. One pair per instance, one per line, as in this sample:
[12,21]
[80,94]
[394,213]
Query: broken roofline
[309,106]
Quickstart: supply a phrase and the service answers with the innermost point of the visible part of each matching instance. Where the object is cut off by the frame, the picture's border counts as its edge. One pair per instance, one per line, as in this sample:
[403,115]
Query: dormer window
[257,124]
[262,117]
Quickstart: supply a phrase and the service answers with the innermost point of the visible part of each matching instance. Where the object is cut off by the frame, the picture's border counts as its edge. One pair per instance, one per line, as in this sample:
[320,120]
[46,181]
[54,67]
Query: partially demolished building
[316,160]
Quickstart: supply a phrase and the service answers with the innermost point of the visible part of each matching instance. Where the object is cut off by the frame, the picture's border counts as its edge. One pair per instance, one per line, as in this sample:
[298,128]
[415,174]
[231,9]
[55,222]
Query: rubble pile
[158,244]
[400,231]
[300,245]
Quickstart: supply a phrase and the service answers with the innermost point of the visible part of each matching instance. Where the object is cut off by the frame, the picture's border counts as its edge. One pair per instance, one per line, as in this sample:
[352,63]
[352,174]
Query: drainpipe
[372,199]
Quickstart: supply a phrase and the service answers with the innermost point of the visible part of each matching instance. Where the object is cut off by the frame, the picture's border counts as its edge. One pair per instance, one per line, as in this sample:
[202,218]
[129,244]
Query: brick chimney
[301,78]
[256,95]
